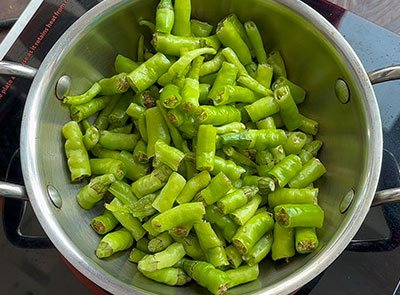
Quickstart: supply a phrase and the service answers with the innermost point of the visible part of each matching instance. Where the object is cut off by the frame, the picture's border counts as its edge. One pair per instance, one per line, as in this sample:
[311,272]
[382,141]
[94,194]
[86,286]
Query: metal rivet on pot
[54,196]
[346,202]
[342,91]
[63,86]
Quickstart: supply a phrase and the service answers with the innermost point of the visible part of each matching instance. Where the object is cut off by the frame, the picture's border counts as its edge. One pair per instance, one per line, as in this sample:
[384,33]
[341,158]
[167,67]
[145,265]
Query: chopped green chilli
[198,150]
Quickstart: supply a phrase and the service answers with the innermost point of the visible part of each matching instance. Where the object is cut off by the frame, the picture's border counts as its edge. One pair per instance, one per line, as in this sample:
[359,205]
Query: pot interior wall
[311,62]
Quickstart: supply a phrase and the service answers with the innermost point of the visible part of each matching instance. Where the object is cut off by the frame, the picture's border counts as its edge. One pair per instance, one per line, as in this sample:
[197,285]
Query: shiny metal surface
[14,191]
[63,86]
[386,197]
[316,55]
[16,69]
[385,74]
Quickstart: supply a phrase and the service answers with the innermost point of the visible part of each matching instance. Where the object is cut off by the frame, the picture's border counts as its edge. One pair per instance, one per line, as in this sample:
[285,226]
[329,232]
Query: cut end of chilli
[306,246]
[104,250]
[98,227]
[239,245]
[223,288]
[282,218]
[281,92]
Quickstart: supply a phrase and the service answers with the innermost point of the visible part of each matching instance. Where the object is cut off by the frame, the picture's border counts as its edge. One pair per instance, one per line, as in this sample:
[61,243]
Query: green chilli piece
[283,244]
[264,74]
[228,167]
[165,200]
[223,222]
[152,28]
[116,84]
[168,155]
[164,17]
[230,127]
[93,192]
[276,61]
[205,150]
[170,96]
[181,214]
[135,111]
[278,153]
[310,172]
[288,108]
[118,115]
[232,58]
[253,84]
[114,242]
[136,255]
[193,186]
[124,64]
[183,10]
[306,239]
[106,166]
[292,196]
[150,228]
[170,44]
[77,155]
[242,214]
[190,94]
[260,250]
[230,37]
[204,89]
[164,259]
[264,157]
[305,156]
[134,169]
[206,275]
[140,208]
[104,223]
[295,143]
[173,131]
[308,125]
[248,234]
[148,72]
[231,94]
[122,191]
[140,152]
[286,169]
[84,97]
[158,129]
[241,30]
[255,139]
[177,69]
[200,29]
[152,182]
[213,65]
[262,108]
[297,92]
[264,184]
[85,110]
[226,76]
[192,246]
[170,276]
[266,123]
[243,274]
[299,215]
[238,157]
[118,141]
[217,115]
[127,129]
[236,199]
[234,256]
[102,122]
[210,244]
[217,188]
[313,147]
[159,242]
[256,40]
[129,222]
[181,230]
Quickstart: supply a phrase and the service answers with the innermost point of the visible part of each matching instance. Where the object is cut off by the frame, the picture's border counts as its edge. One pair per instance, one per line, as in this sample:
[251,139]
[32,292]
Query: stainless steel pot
[316,56]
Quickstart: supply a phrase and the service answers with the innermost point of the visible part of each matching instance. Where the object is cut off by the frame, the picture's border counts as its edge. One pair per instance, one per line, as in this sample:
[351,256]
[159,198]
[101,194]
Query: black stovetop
[371,268]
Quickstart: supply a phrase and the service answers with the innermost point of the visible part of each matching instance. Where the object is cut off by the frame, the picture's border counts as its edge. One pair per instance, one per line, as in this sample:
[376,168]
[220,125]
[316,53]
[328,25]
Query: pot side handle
[385,74]
[16,69]
[13,212]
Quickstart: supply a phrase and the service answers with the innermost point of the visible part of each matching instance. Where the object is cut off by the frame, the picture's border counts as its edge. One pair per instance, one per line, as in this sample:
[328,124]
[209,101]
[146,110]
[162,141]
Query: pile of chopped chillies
[198,153]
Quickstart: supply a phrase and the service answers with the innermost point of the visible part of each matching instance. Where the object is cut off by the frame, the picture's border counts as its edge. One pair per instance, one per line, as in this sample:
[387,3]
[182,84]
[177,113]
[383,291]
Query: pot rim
[45,214]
